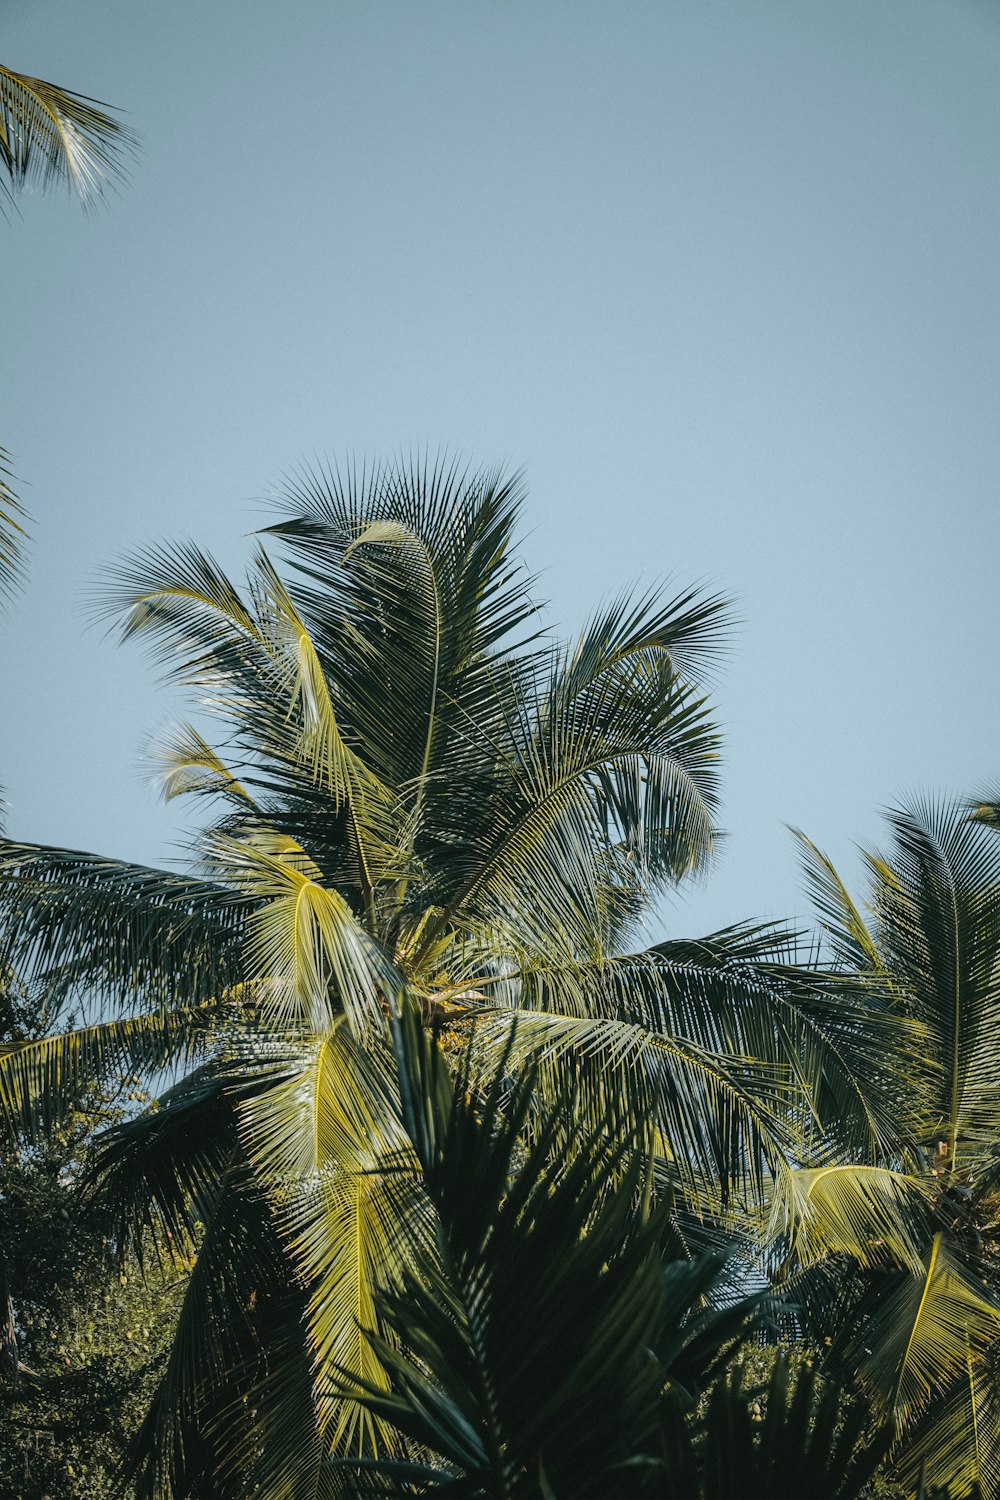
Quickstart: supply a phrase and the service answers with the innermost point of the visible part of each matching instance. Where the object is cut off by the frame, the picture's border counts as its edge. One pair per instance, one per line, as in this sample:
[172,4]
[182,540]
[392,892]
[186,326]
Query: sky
[721,275]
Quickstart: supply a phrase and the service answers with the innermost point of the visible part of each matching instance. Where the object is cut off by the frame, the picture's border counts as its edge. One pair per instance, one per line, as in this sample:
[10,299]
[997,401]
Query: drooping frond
[919,1339]
[157,1174]
[308,948]
[740,993]
[722,1119]
[324,1137]
[111,930]
[41,1080]
[49,134]
[188,766]
[957,1444]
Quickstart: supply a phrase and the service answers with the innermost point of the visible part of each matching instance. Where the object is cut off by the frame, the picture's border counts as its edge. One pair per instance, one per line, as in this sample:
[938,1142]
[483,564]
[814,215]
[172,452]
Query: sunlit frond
[323,1138]
[188,766]
[878,1217]
[957,1443]
[304,942]
[49,134]
[921,1337]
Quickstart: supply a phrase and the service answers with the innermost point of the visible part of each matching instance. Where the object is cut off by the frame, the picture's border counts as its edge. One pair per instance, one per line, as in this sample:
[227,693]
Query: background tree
[901,1250]
[85,1334]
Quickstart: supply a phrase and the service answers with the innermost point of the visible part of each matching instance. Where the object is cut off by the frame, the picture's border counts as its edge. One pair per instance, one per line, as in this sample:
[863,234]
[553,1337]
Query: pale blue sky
[722,274]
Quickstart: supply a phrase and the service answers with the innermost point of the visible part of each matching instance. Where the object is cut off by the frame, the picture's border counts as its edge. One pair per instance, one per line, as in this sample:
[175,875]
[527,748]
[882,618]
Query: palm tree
[903,1248]
[418,792]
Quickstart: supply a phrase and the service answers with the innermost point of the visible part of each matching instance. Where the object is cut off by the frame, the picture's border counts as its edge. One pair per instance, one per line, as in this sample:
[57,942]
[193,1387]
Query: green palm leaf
[323,1138]
[878,1217]
[118,931]
[923,1334]
[49,134]
[41,1079]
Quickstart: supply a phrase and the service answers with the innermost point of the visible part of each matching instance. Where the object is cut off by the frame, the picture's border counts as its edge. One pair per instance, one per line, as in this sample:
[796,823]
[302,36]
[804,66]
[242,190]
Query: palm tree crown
[417,792]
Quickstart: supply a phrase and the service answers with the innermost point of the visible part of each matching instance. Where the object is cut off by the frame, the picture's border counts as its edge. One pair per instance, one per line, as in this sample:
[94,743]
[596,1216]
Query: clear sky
[721,274]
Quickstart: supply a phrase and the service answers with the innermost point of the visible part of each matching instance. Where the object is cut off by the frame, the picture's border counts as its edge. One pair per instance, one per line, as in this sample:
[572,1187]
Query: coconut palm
[418,792]
[904,1247]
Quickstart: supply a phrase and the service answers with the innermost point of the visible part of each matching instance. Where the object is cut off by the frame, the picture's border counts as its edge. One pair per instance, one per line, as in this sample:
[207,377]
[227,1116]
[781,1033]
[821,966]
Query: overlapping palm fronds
[551,1344]
[506,1387]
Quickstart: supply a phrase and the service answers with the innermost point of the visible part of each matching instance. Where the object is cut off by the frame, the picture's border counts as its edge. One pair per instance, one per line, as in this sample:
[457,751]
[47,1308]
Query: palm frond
[877,1216]
[721,1119]
[937,908]
[42,1080]
[741,992]
[118,932]
[323,1137]
[799,1434]
[188,766]
[852,943]
[986,811]
[956,1446]
[50,134]
[303,939]
[241,1313]
[13,535]
[922,1335]
[156,1176]
[487,1323]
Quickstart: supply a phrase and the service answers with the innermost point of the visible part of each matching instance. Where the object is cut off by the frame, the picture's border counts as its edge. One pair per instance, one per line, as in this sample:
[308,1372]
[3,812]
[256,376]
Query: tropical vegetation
[420,793]
[429,819]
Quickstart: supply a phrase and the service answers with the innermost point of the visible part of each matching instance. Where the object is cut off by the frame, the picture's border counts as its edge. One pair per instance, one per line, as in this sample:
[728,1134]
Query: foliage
[418,792]
[50,134]
[554,1344]
[902,1251]
[86,1333]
